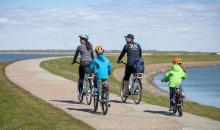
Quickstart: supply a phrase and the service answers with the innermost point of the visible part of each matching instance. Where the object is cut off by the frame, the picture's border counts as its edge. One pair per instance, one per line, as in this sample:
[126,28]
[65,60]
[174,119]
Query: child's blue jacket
[102,65]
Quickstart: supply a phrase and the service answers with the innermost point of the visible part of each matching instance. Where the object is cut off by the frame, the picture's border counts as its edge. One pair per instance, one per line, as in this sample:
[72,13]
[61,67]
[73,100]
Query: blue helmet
[84,36]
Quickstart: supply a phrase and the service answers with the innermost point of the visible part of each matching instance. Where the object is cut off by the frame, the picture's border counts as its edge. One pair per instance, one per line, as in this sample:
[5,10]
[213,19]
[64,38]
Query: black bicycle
[178,102]
[102,96]
[135,88]
[87,89]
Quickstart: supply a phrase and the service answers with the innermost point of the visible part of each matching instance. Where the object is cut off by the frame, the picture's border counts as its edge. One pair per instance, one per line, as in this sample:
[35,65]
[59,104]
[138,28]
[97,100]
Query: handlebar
[75,62]
[122,62]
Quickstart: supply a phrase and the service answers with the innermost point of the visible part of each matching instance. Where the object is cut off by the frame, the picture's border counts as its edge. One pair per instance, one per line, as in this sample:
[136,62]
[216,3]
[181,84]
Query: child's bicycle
[135,88]
[102,97]
[178,102]
[87,89]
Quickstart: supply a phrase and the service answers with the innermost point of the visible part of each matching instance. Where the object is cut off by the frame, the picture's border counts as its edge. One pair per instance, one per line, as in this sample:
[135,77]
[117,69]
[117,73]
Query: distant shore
[110,52]
[36,52]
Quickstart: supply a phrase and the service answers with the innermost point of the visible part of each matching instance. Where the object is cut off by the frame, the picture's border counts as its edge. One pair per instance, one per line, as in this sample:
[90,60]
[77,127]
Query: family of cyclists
[101,67]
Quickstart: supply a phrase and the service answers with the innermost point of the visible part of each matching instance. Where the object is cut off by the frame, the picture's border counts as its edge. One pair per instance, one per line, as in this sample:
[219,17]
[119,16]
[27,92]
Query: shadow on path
[117,101]
[161,112]
[67,101]
[85,110]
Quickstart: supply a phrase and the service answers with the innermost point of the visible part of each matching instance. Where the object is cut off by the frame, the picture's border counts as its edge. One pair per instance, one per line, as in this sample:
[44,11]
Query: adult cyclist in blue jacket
[134,53]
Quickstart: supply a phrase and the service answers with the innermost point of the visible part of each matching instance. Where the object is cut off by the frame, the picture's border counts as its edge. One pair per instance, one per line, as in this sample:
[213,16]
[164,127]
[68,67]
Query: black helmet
[130,36]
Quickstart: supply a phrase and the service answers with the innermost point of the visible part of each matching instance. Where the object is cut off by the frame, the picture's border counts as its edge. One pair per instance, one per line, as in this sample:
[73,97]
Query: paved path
[61,93]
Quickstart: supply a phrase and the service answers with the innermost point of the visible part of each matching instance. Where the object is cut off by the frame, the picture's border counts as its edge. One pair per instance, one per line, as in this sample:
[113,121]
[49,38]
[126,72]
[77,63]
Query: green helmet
[84,36]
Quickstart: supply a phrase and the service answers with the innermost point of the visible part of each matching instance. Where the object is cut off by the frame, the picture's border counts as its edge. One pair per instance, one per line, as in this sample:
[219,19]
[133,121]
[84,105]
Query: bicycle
[178,102]
[102,96]
[87,89]
[135,88]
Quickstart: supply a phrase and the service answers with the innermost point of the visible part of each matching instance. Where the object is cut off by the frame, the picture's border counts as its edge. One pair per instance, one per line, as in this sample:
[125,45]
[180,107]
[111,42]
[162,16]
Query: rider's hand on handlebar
[74,62]
[163,80]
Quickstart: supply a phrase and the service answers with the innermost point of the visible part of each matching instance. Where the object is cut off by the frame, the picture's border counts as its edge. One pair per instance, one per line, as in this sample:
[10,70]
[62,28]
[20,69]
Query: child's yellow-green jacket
[175,76]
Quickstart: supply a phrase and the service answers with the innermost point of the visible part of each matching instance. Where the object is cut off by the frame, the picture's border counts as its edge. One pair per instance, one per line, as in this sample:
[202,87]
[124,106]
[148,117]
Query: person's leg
[81,78]
[86,67]
[172,92]
[95,82]
[106,87]
[127,76]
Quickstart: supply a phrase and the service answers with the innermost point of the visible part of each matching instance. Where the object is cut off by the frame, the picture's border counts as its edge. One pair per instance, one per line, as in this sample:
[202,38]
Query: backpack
[138,67]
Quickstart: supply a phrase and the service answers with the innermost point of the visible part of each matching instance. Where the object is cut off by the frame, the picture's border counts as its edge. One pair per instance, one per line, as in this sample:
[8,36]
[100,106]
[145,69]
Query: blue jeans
[96,83]
[172,92]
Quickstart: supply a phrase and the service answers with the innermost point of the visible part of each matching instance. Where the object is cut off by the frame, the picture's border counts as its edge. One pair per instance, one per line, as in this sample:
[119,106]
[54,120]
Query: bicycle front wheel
[137,91]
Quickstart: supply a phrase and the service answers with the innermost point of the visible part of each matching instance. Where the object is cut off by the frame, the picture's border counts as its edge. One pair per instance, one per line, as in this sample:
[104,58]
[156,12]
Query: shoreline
[152,70]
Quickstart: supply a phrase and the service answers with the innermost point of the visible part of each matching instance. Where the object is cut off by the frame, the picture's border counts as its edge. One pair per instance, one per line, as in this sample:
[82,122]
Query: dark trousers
[128,72]
[82,71]
[96,87]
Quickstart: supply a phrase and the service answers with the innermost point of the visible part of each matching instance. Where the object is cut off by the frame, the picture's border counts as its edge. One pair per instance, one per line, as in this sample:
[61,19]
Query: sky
[166,25]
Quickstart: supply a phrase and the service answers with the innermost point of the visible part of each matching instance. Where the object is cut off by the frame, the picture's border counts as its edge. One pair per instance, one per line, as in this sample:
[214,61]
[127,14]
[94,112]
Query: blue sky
[189,25]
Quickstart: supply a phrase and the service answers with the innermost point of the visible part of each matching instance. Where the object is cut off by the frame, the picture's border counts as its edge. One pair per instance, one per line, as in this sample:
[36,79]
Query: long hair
[88,45]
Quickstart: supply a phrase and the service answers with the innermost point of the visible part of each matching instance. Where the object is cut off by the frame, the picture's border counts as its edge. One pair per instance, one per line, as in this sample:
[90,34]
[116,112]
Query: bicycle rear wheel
[174,109]
[89,92]
[180,109]
[80,95]
[96,102]
[105,102]
[137,91]
[123,97]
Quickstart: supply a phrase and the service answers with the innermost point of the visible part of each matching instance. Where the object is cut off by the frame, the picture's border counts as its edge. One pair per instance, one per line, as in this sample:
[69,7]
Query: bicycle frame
[177,97]
[102,97]
[87,82]
[178,102]
[135,91]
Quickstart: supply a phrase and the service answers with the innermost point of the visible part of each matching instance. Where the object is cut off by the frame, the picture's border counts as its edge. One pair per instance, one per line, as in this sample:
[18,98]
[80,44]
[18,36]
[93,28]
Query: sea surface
[12,57]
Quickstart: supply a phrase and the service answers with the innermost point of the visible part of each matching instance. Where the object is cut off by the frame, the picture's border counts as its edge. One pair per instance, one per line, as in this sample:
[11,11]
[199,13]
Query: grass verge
[20,110]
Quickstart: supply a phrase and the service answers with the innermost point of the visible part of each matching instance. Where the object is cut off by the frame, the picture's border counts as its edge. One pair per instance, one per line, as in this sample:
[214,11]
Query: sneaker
[80,96]
[183,94]
[126,94]
[171,108]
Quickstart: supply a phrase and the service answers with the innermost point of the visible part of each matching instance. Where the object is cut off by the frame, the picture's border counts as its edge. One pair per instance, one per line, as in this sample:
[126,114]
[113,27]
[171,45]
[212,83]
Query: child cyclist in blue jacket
[102,66]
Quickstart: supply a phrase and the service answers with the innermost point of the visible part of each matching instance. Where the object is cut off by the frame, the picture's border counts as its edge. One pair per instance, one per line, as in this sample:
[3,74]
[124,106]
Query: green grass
[63,68]
[20,110]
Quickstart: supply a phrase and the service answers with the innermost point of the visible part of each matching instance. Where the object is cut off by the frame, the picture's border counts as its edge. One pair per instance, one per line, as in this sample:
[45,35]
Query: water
[202,85]
[12,57]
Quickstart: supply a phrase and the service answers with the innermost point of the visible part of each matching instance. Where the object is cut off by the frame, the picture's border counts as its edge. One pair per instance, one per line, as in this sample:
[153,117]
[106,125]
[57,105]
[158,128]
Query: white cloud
[4,20]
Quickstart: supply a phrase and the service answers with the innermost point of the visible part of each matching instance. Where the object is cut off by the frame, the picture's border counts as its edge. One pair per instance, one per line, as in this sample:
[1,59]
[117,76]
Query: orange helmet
[177,60]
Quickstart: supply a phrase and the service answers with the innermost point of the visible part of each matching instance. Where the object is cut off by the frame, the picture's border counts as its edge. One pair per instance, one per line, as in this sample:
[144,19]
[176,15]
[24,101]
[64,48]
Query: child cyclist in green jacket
[175,76]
